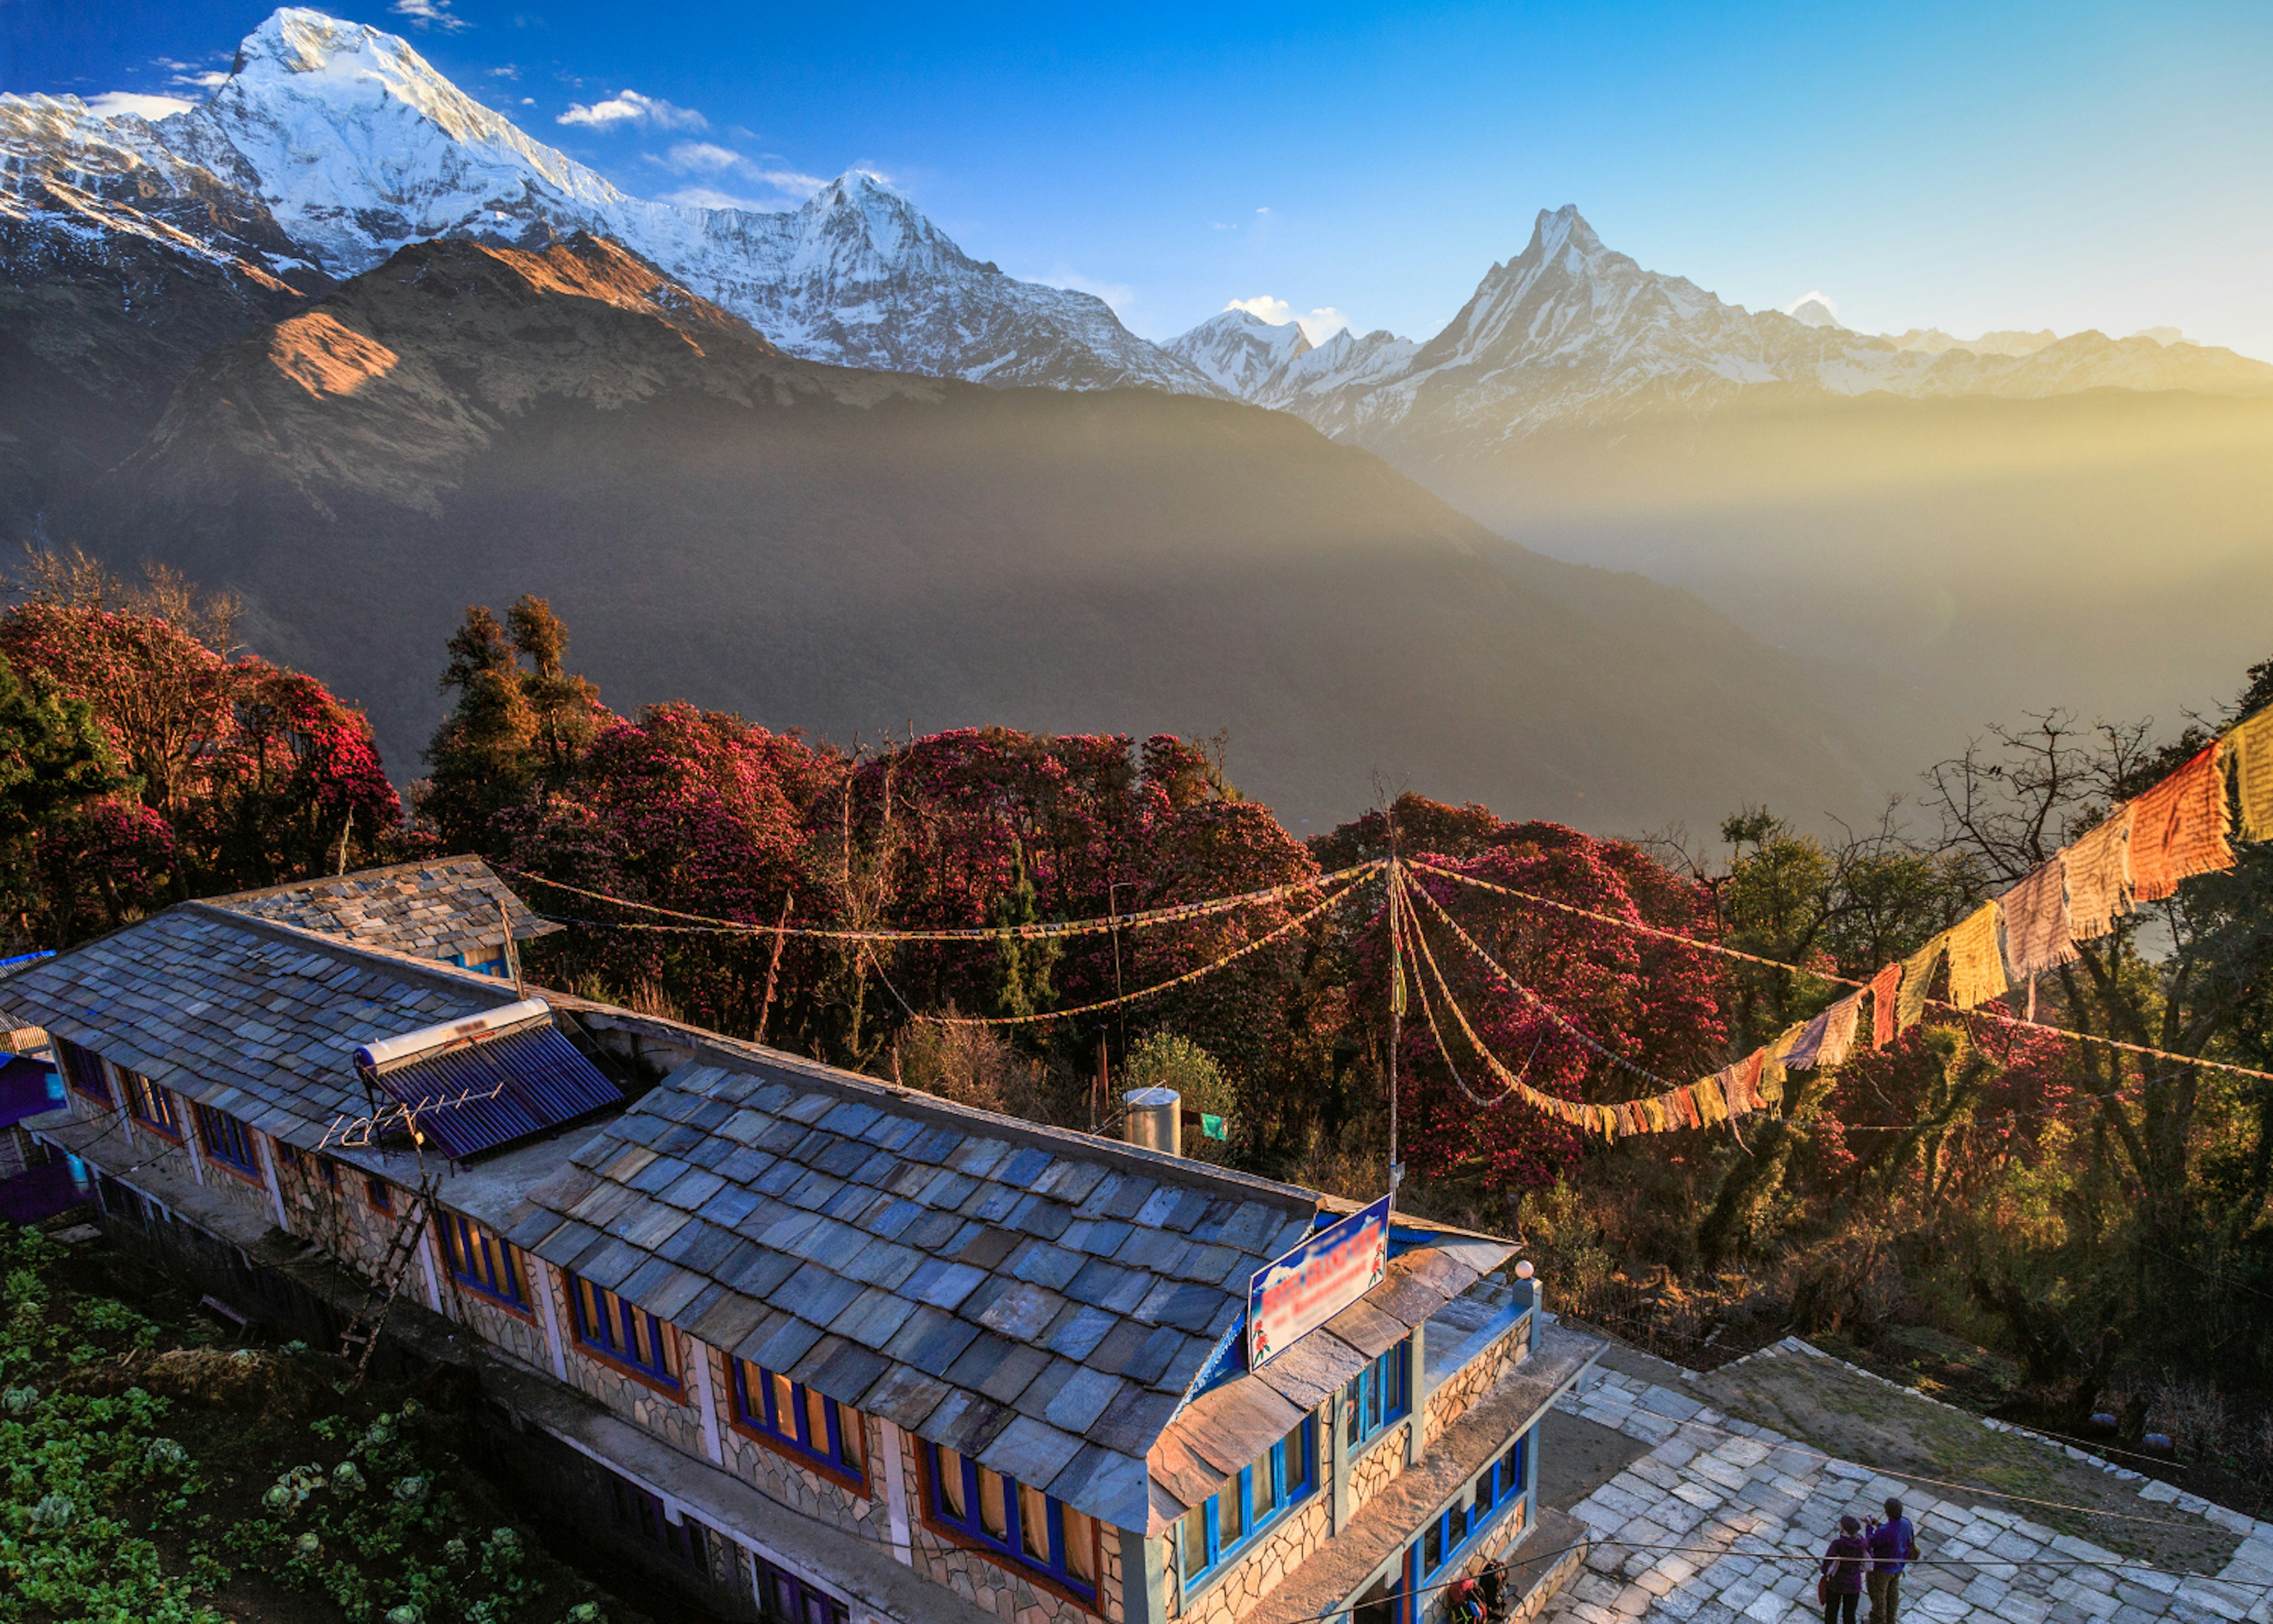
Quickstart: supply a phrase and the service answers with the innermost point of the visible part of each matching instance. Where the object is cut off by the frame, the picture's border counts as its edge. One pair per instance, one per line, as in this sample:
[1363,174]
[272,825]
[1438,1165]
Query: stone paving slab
[1720,1522]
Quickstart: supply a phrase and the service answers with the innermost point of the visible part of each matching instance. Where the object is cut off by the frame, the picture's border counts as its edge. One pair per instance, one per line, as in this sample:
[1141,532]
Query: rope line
[1983,1010]
[1140,920]
[1189,976]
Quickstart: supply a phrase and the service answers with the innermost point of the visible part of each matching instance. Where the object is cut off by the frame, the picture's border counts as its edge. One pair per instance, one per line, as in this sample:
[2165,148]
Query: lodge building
[787,1341]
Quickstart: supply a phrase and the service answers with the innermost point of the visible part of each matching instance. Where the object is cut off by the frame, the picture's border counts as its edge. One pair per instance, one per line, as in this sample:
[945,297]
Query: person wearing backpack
[1894,1547]
[1839,1582]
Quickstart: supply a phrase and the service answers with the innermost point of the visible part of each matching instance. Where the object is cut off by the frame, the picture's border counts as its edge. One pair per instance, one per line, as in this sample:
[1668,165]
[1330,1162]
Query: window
[642,1515]
[1022,1525]
[228,1140]
[1379,1393]
[609,1325]
[379,1193]
[784,1598]
[483,1261]
[149,1104]
[331,1174]
[801,1421]
[1259,1496]
[83,1067]
[1496,1488]
[287,1153]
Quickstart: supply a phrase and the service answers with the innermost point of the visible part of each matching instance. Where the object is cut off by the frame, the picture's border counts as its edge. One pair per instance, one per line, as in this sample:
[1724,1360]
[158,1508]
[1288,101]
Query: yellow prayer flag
[2250,747]
[1917,975]
[1977,967]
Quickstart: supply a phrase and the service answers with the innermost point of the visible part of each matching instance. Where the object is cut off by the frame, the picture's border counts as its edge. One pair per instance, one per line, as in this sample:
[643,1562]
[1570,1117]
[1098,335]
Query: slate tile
[1099,1284]
[1209,1263]
[778,1180]
[785,1234]
[1021,1312]
[809,1107]
[779,1347]
[745,1166]
[874,1169]
[843,1158]
[895,1217]
[934,1146]
[1251,1227]
[729,1206]
[679,1293]
[1209,1229]
[813,1190]
[1021,1170]
[613,1265]
[1190,1208]
[966,1423]
[873,1319]
[851,1119]
[1042,1264]
[988,1248]
[1076,1334]
[1163,1346]
[1191,1357]
[904,1396]
[1081,1400]
[1030,1450]
[728,1320]
[1132,1422]
[1125,1202]
[763,1273]
[1103,1239]
[1006,1374]
[816,1294]
[1154,1213]
[931,1340]
[910,1179]
[1071,1181]
[851,1202]
[947,1189]
[781,1135]
[848,1372]
[1118,1347]
[893,1132]
[979,1157]
[1156,1251]
[932,1231]
[941,1285]
[991,1203]
[1045,1387]
[884,1264]
[702,1247]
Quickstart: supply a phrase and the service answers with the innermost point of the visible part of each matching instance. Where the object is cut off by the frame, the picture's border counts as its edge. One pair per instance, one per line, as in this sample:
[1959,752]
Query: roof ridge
[335,880]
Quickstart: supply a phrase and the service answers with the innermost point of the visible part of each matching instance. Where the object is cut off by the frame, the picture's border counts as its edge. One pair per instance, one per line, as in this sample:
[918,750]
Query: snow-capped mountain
[1571,333]
[1238,351]
[332,143]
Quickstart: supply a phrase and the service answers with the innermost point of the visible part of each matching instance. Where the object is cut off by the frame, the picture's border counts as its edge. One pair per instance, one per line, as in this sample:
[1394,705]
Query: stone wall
[518,1333]
[782,1478]
[1379,1462]
[997,1584]
[677,1419]
[1231,1591]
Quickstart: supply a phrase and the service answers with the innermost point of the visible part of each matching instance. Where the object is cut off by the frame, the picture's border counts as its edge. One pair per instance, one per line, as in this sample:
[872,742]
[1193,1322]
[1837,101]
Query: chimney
[1156,1119]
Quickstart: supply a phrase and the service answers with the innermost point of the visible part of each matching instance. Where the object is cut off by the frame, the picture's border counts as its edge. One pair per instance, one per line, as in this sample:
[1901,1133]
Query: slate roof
[1039,1299]
[429,910]
[1232,1425]
[259,1019]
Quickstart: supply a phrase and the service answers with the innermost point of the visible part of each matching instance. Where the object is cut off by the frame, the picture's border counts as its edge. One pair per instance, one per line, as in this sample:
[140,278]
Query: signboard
[1295,1294]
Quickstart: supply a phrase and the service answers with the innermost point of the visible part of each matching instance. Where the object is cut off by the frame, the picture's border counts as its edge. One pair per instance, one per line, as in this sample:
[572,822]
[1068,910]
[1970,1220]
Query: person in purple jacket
[1843,1562]
[1894,1546]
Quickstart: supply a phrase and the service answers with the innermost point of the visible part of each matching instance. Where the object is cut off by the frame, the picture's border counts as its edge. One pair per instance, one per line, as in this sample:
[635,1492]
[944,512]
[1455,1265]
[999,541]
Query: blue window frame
[792,1600]
[151,1105]
[484,1262]
[805,1423]
[1015,1524]
[607,1325]
[1380,1393]
[83,1067]
[226,1141]
[1476,1507]
[1219,1527]
[641,1514]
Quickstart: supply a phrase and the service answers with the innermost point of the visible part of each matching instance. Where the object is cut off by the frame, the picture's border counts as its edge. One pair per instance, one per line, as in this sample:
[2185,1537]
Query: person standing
[1894,1547]
[1839,1582]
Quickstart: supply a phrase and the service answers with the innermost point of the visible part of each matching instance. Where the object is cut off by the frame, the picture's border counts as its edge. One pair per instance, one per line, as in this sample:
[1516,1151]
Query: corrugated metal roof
[501,1089]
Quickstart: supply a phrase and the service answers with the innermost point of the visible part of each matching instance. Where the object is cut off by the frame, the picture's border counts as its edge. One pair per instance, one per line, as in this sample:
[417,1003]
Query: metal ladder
[360,1340]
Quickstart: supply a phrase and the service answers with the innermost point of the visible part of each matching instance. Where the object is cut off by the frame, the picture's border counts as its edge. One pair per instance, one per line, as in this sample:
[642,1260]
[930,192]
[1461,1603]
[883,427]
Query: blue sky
[1967,167]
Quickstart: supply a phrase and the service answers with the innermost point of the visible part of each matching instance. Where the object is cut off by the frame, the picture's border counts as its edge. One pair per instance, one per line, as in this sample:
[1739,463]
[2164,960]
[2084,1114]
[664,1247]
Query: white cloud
[111,104]
[629,109]
[507,71]
[1823,299]
[1319,325]
[430,14]
[707,158]
[188,75]
[1264,211]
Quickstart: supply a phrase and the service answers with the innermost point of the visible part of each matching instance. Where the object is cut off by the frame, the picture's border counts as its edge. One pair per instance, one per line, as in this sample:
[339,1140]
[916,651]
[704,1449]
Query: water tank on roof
[1156,1119]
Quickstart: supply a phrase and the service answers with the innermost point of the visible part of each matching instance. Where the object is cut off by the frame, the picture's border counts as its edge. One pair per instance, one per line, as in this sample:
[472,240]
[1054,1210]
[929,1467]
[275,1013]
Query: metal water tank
[1156,1119]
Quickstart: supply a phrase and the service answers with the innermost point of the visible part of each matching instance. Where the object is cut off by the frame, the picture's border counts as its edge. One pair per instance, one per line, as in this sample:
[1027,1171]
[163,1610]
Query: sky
[1965,166]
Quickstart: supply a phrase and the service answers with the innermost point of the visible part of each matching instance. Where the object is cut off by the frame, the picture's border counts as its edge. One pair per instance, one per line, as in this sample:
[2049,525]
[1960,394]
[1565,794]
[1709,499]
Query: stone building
[796,1343]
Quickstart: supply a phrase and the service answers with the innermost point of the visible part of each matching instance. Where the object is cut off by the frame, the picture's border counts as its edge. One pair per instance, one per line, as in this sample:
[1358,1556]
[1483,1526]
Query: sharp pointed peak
[1556,229]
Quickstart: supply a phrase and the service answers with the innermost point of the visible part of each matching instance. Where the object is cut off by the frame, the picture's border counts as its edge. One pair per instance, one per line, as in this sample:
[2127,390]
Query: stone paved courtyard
[1749,1510]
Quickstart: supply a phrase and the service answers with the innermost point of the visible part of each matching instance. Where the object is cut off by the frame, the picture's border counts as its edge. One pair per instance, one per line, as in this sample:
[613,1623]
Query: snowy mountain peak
[1814,312]
[1557,228]
[332,144]
[1240,352]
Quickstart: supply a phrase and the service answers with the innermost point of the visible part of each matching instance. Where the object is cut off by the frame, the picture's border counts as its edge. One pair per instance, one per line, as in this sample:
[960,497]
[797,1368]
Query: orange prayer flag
[2179,829]
[1882,1004]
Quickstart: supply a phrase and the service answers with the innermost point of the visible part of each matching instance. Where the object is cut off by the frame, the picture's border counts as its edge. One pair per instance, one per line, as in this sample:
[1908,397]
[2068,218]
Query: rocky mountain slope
[844,550]
[1239,352]
[332,143]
